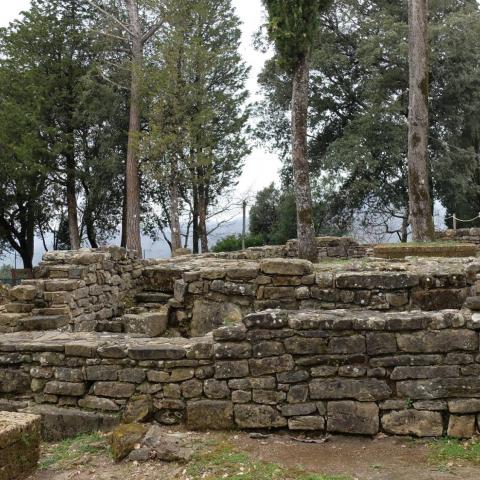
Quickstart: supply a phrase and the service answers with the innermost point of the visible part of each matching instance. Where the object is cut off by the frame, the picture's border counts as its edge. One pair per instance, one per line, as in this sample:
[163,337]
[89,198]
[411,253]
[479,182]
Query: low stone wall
[464,235]
[357,372]
[208,295]
[73,290]
[19,445]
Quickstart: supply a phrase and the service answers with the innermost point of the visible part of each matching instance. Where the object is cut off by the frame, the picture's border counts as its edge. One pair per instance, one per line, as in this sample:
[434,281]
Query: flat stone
[442,371]
[364,390]
[281,266]
[464,405]
[258,416]
[65,389]
[269,365]
[139,409]
[124,438]
[157,352]
[98,403]
[216,389]
[210,415]
[376,280]
[269,319]
[413,422]
[439,388]
[353,417]
[298,409]
[60,423]
[461,426]
[438,341]
[231,369]
[14,381]
[307,423]
[113,389]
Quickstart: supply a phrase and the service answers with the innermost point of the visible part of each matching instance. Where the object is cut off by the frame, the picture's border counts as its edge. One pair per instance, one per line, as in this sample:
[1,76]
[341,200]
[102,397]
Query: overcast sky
[261,167]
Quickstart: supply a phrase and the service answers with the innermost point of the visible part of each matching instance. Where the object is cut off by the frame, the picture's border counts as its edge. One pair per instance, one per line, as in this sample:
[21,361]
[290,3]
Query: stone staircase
[147,318]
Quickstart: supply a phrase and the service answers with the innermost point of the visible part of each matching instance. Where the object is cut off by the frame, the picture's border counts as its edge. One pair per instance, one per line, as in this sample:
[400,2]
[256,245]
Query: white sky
[261,167]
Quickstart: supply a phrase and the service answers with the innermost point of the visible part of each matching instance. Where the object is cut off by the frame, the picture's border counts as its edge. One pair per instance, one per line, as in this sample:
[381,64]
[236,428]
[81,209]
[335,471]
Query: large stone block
[258,416]
[281,266]
[14,381]
[369,389]
[23,293]
[360,418]
[305,346]
[440,388]
[438,341]
[376,280]
[441,371]
[461,426]
[439,299]
[210,415]
[67,389]
[413,422]
[268,365]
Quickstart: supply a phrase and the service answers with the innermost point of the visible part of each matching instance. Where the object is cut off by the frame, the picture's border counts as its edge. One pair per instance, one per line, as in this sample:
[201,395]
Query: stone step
[152,297]
[38,323]
[112,326]
[147,324]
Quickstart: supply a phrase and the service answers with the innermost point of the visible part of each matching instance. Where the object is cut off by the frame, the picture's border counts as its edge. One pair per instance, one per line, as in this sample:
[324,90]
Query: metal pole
[244,228]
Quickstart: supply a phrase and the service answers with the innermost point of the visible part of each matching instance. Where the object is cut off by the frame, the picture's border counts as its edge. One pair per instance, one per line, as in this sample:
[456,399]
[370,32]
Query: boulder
[353,417]
[210,415]
[124,438]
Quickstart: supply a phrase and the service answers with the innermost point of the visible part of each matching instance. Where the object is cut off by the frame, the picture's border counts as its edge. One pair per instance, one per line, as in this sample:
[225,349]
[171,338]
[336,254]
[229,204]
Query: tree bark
[72,215]
[421,217]
[307,248]
[202,218]
[176,238]
[132,180]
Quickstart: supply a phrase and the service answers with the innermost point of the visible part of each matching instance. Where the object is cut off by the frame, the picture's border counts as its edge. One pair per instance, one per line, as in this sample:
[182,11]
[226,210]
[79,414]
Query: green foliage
[293,27]
[273,217]
[233,243]
[359,106]
[445,450]
[224,461]
[67,452]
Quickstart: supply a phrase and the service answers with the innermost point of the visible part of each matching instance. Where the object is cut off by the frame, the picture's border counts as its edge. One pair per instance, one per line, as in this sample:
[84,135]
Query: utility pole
[244,228]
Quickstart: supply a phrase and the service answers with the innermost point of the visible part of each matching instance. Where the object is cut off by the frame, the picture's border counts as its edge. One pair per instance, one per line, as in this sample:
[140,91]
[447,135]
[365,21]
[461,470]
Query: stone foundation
[464,235]
[357,372]
[19,445]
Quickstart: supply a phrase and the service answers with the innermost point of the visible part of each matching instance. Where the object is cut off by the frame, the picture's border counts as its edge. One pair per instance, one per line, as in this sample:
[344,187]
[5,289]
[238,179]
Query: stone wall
[19,445]
[212,294]
[464,235]
[358,372]
[73,291]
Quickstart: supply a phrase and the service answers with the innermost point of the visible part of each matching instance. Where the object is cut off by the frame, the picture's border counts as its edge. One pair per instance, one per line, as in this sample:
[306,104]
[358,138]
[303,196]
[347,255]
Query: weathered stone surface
[258,416]
[192,388]
[298,409]
[268,365]
[313,423]
[344,388]
[381,343]
[413,422]
[268,349]
[347,345]
[60,423]
[353,417]
[270,319]
[464,405]
[376,280]
[233,350]
[210,415]
[65,388]
[138,409]
[281,266]
[150,324]
[23,293]
[439,299]
[438,341]
[14,381]
[97,403]
[231,369]
[461,426]
[235,333]
[157,352]
[440,388]
[124,438]
[216,389]
[305,346]
[442,371]
[114,389]
[101,373]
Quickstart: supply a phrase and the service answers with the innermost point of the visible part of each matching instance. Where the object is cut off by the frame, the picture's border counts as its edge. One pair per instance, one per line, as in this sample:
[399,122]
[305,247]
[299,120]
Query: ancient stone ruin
[352,345]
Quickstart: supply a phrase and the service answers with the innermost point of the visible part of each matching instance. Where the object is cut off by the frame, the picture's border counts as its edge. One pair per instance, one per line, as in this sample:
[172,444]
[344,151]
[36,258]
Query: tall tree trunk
[421,216]
[123,238]
[202,218]
[72,216]
[307,248]
[195,227]
[132,180]
[176,239]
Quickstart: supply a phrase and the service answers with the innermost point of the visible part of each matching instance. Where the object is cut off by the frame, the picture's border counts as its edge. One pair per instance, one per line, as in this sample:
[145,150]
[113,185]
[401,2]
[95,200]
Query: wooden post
[454,221]
[244,226]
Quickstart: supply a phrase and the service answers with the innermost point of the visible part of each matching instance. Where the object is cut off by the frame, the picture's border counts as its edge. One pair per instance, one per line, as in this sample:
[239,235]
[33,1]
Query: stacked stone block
[19,445]
[356,372]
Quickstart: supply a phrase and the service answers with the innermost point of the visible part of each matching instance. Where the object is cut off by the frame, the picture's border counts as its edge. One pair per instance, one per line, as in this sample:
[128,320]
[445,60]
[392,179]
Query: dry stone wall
[73,291]
[19,445]
[357,372]
[464,235]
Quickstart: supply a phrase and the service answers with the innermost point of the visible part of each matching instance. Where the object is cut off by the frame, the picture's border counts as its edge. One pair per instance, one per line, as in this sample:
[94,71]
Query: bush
[233,243]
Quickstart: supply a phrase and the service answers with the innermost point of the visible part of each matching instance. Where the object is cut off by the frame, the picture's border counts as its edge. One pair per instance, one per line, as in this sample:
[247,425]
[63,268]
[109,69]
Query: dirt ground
[338,458]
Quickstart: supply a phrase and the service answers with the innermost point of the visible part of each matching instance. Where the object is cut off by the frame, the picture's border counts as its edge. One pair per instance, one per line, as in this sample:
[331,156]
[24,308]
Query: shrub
[233,243]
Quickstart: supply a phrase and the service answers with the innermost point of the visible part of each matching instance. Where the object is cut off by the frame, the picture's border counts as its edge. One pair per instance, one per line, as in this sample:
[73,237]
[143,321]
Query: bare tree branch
[151,31]
[111,16]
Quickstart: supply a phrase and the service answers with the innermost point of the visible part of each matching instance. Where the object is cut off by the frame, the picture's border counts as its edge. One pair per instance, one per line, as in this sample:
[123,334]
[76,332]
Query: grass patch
[445,450]
[226,463]
[71,450]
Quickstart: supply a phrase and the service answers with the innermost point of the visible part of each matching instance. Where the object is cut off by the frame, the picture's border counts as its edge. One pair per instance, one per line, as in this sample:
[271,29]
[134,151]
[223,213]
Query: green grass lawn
[445,450]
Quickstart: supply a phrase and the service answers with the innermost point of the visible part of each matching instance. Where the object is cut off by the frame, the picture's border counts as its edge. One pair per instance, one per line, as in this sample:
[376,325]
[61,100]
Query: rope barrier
[456,219]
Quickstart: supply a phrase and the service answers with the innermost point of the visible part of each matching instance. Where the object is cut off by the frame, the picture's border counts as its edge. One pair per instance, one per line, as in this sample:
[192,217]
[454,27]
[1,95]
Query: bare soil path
[237,456]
